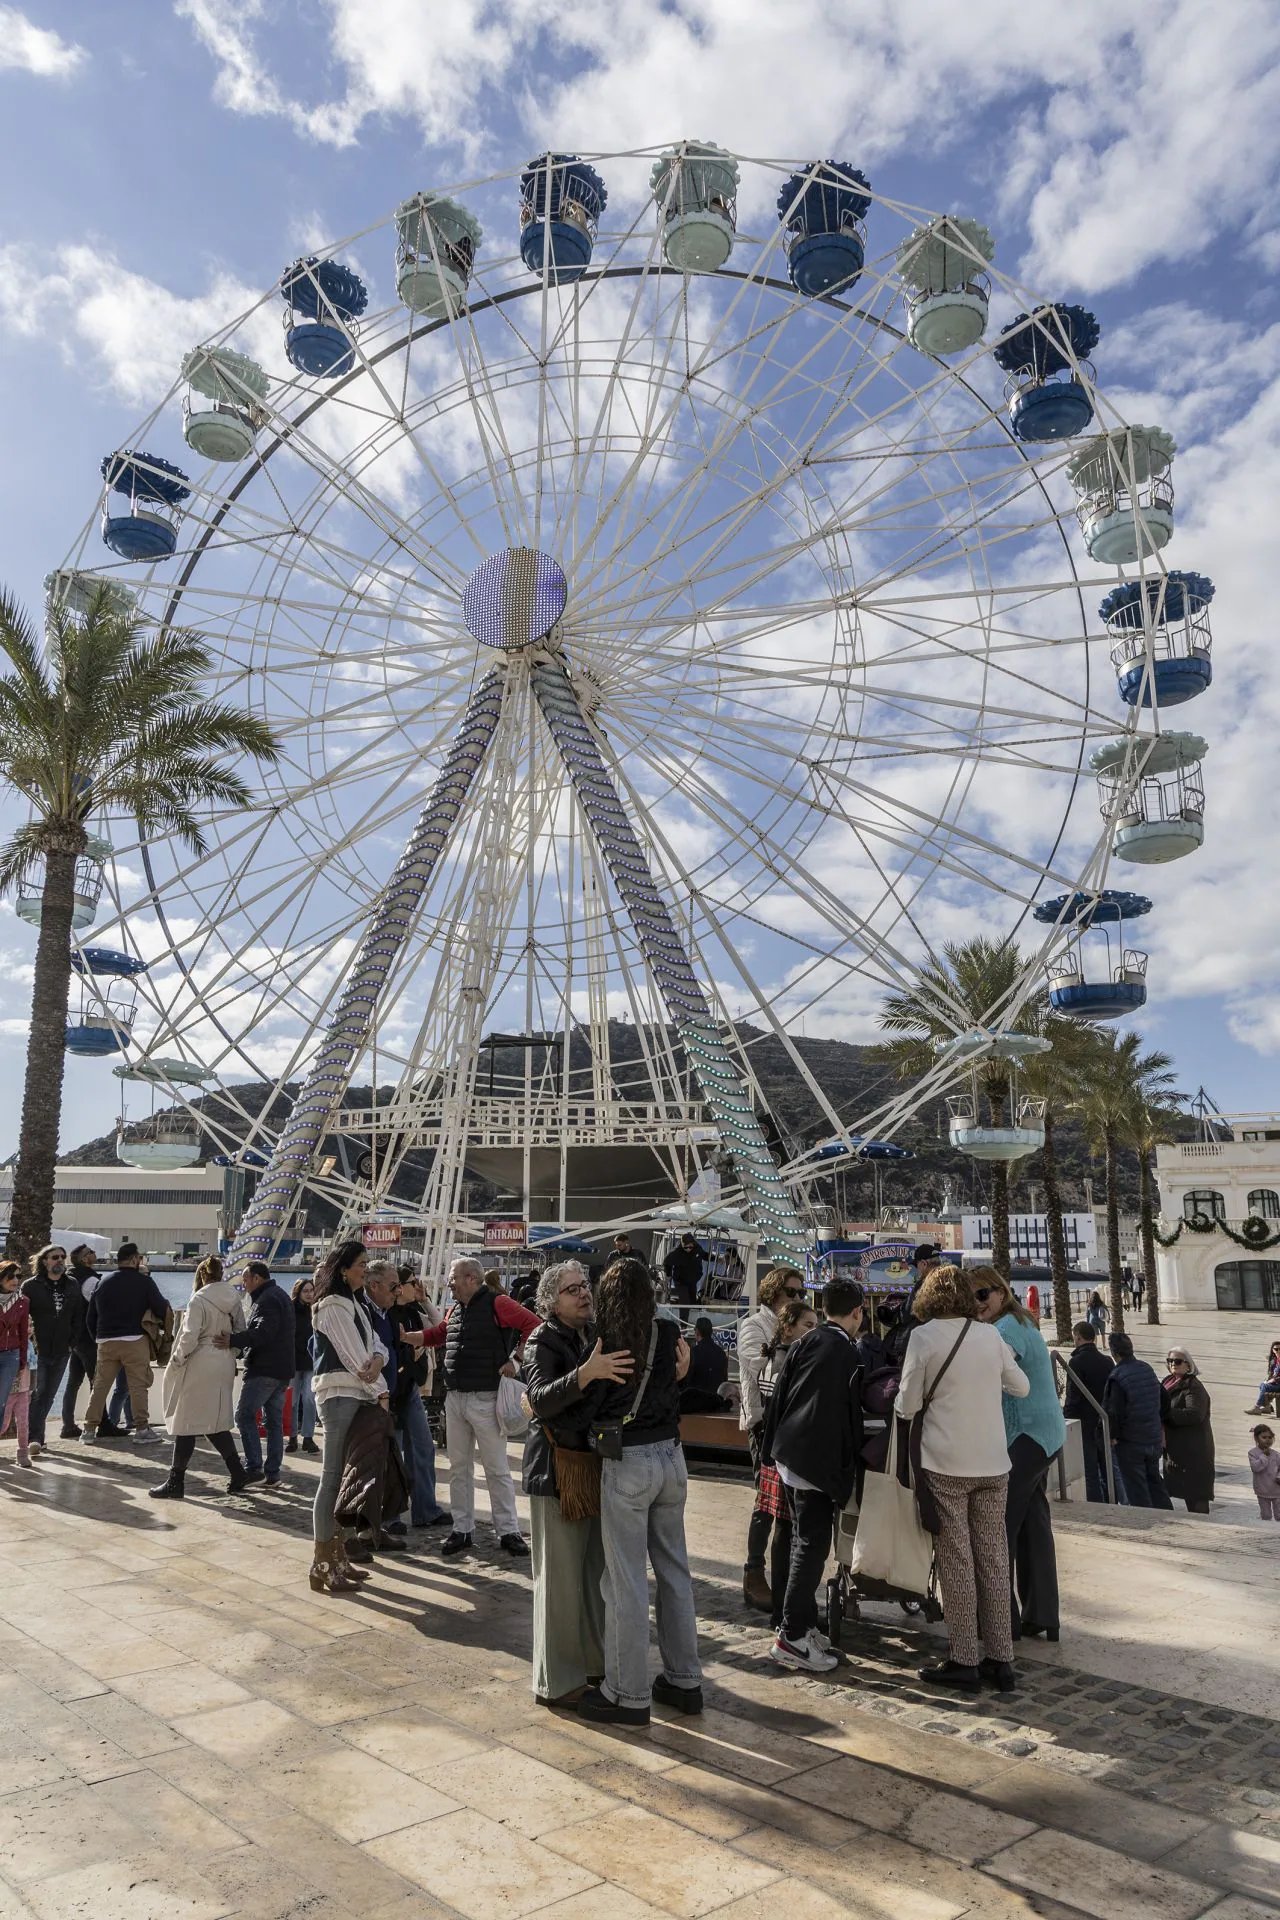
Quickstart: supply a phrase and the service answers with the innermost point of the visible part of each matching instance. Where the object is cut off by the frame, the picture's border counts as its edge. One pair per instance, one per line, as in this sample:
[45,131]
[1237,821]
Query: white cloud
[1120,155]
[83,296]
[35,49]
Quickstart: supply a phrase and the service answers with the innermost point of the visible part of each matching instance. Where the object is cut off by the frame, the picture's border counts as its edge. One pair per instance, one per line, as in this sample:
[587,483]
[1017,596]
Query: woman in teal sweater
[1035,1430]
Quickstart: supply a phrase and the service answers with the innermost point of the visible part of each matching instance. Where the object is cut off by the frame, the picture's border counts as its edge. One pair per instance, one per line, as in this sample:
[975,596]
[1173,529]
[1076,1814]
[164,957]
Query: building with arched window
[1208,1190]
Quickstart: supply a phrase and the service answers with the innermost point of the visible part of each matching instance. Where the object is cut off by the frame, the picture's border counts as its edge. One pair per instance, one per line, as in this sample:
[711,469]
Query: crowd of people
[599,1377]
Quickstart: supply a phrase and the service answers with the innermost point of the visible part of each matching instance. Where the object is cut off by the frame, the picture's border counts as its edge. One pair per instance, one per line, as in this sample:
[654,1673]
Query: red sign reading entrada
[504,1233]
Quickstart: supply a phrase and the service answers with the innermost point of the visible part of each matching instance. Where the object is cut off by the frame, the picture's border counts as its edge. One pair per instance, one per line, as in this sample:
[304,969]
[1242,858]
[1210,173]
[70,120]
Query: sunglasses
[794,1293]
[984,1293]
[1175,1360]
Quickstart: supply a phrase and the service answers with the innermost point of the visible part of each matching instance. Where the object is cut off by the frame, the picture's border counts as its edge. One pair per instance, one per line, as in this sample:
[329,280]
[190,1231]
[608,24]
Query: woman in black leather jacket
[561,1359]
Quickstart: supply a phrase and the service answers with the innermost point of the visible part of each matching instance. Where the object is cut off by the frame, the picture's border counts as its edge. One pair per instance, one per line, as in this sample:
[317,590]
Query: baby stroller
[845,1587]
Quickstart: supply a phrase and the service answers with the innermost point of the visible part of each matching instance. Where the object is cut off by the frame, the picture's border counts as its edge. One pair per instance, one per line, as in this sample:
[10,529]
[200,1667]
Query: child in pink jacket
[1265,1462]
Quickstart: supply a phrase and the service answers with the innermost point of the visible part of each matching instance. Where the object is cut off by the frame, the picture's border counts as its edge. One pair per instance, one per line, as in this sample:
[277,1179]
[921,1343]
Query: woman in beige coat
[199,1382]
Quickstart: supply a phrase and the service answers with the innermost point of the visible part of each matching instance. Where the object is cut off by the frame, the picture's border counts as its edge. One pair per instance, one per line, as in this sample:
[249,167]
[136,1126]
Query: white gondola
[1015,1125]
[1153,792]
[87,893]
[236,386]
[162,1144]
[160,1072]
[76,590]
[695,189]
[1121,480]
[947,292]
[438,243]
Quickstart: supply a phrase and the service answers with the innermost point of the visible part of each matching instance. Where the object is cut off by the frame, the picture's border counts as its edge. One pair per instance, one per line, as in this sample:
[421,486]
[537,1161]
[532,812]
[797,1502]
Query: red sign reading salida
[381,1233]
[504,1233]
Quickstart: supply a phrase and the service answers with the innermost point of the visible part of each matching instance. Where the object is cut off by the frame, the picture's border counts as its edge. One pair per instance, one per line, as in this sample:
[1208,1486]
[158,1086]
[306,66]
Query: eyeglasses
[576,1286]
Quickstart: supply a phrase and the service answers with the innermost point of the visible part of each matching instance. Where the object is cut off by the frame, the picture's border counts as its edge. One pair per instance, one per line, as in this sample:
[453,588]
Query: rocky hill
[856,1079]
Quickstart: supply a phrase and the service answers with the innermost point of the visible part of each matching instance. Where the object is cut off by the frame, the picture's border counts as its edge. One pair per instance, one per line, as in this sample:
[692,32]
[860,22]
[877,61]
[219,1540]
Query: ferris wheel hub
[514,598]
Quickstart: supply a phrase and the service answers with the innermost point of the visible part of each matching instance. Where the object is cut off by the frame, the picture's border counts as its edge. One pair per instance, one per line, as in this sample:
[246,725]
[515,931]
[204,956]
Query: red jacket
[15,1323]
[506,1311]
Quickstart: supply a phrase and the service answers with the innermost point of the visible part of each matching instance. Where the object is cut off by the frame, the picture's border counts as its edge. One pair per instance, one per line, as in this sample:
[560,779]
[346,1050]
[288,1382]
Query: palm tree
[966,987]
[1055,1078]
[1149,1123]
[1118,1079]
[104,717]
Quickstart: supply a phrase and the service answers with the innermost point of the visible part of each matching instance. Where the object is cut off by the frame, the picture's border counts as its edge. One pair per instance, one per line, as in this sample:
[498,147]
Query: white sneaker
[89,1437]
[146,1437]
[35,1449]
[819,1639]
[806,1657]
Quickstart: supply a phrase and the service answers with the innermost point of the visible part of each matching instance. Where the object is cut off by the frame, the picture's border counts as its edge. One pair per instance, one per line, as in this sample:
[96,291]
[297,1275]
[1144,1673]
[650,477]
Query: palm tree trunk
[1057,1238]
[31,1216]
[1115,1274]
[1147,1214]
[1000,1218]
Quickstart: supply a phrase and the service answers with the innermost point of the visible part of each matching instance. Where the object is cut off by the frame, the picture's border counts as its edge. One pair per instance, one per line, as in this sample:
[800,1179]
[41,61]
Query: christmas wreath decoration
[1255,1234]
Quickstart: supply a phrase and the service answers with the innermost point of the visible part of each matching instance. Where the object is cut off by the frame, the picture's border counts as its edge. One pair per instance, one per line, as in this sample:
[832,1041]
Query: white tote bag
[891,1551]
[512,1417]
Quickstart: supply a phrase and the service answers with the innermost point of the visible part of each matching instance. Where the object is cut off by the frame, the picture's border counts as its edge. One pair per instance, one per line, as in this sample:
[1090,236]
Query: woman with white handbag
[956,1372]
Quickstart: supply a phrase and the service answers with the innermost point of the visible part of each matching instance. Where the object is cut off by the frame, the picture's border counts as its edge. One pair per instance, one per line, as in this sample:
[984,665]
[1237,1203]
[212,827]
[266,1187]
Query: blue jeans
[120,1409]
[10,1368]
[419,1459]
[304,1407]
[49,1377]
[642,1500]
[260,1393]
[1140,1471]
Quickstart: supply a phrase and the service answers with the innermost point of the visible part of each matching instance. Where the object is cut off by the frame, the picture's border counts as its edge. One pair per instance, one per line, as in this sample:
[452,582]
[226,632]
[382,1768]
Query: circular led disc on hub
[514,598]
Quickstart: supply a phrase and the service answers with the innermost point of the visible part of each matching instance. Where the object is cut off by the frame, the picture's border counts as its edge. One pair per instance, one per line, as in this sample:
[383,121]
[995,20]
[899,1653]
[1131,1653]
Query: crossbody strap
[644,1377]
[925,1404]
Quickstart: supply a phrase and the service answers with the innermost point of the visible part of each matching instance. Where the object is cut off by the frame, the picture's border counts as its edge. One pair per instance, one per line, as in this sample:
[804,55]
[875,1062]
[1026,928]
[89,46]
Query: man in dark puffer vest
[478,1336]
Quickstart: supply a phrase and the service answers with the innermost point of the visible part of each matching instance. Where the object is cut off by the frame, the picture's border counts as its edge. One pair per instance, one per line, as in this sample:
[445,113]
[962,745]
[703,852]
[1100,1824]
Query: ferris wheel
[662,572]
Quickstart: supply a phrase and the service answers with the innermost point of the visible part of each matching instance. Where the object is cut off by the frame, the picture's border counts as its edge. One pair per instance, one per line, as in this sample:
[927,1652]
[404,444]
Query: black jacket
[57,1314]
[658,1415]
[118,1303]
[268,1337]
[552,1357]
[683,1267]
[814,1422]
[1092,1368]
[414,1363]
[1132,1401]
[302,1358]
[1188,1440]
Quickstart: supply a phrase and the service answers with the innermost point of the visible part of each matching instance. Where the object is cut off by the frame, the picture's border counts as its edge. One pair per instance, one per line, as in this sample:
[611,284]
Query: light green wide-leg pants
[568,1609]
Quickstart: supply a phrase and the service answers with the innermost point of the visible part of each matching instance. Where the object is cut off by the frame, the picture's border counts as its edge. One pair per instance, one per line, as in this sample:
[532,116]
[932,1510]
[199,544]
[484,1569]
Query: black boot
[172,1487]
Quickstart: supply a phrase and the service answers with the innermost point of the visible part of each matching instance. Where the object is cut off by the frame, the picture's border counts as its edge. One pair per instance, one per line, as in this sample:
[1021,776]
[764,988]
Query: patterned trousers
[973,1565]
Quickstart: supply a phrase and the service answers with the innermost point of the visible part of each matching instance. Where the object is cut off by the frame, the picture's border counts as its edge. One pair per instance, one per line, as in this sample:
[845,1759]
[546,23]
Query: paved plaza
[189,1732]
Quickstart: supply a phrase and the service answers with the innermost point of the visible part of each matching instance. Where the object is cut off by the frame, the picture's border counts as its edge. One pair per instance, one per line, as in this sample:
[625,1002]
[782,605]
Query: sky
[164,162]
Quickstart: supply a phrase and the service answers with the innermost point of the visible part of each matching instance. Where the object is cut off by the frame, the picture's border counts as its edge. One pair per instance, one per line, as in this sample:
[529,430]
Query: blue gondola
[1124,989]
[822,211]
[561,200]
[1035,350]
[107,962]
[154,489]
[323,300]
[835,1149]
[1181,643]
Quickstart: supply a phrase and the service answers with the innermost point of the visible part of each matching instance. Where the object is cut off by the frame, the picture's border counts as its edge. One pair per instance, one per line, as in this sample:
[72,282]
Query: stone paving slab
[193,1733]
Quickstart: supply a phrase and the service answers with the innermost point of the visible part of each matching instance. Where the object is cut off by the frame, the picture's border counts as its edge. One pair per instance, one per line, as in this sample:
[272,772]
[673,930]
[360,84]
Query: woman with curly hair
[956,1374]
[635,1426]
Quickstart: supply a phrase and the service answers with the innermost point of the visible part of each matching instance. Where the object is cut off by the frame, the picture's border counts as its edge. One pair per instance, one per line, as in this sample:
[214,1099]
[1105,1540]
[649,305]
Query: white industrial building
[1029,1237]
[178,1213]
[1219,1184]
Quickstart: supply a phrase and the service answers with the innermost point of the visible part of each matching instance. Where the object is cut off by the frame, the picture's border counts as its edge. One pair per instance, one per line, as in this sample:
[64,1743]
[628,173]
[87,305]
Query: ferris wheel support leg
[392,922]
[772,1208]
